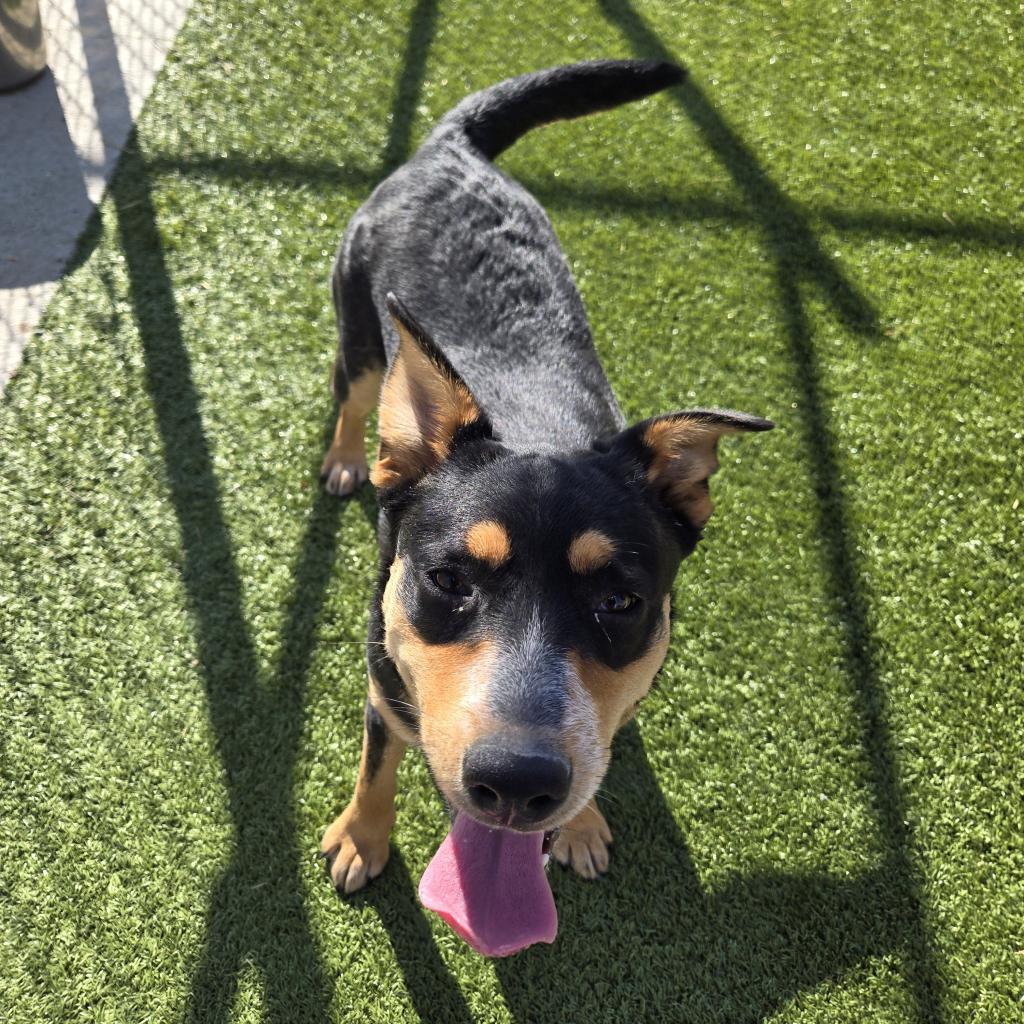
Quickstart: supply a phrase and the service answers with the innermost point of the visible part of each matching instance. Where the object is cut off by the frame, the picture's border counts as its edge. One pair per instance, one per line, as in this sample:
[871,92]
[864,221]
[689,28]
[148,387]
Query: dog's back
[477,258]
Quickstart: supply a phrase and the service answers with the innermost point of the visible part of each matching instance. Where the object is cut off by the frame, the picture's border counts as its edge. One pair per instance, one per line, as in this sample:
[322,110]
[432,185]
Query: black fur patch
[533,607]
[377,737]
[475,259]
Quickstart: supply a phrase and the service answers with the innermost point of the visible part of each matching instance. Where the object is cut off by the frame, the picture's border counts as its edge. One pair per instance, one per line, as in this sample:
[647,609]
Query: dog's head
[526,603]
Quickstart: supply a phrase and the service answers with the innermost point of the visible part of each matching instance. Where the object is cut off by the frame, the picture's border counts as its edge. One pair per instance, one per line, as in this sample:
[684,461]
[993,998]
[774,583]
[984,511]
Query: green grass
[819,817]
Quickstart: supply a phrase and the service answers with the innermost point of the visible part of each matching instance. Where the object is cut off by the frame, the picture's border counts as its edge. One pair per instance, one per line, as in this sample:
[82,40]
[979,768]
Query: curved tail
[493,119]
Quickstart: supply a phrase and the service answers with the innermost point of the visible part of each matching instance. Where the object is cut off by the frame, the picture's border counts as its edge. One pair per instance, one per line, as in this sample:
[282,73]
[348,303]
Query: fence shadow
[256,911]
[434,993]
[703,939]
[695,206]
[660,947]
[801,263]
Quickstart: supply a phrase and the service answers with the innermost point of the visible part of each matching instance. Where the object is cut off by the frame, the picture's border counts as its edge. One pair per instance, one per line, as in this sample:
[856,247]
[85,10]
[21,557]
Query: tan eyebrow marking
[489,541]
[589,551]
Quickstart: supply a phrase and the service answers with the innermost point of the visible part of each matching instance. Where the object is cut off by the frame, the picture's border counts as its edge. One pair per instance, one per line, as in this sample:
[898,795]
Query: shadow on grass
[434,993]
[256,912]
[650,943]
[780,934]
[271,170]
[801,262]
[422,25]
[697,207]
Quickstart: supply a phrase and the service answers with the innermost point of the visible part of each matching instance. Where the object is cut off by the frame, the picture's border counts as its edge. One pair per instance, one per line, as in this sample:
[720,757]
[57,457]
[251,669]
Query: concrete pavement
[60,138]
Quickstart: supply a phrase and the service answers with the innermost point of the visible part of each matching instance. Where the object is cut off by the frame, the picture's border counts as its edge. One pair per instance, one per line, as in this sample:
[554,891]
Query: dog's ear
[678,453]
[425,407]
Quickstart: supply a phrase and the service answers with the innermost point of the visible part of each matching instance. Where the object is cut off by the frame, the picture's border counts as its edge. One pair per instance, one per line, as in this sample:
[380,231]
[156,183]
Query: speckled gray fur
[475,258]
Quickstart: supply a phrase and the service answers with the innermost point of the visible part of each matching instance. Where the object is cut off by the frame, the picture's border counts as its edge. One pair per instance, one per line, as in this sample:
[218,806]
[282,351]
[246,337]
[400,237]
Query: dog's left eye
[617,601]
[450,582]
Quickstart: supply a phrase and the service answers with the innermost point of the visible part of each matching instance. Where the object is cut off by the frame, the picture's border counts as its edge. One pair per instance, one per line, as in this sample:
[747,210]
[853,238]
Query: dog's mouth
[489,884]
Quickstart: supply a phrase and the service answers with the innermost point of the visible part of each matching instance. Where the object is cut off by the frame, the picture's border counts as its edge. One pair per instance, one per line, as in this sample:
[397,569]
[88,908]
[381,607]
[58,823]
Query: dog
[529,538]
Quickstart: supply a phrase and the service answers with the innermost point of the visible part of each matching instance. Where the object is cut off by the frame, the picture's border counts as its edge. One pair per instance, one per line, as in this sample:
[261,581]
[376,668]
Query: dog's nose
[515,785]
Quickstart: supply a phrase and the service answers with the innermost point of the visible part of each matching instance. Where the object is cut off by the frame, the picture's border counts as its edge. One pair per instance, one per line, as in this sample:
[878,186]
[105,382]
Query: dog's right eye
[450,582]
[617,602]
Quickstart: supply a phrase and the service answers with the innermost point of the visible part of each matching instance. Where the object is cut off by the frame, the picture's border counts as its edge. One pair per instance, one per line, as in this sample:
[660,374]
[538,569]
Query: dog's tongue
[490,886]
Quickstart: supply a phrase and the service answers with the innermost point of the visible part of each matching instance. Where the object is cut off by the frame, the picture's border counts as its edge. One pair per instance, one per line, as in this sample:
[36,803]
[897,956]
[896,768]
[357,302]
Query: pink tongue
[490,886]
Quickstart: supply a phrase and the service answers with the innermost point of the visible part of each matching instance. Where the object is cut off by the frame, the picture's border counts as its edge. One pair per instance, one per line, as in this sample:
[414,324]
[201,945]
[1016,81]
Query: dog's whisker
[362,643]
[405,704]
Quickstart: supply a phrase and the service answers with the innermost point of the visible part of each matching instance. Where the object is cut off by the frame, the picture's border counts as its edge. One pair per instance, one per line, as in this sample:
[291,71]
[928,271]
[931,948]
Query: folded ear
[679,454]
[425,406]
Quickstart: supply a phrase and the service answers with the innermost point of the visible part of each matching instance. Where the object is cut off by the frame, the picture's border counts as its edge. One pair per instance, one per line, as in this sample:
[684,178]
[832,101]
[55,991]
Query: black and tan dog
[529,539]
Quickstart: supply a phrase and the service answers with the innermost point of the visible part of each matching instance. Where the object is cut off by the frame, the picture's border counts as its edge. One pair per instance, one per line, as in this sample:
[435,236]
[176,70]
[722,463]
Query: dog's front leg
[356,844]
[583,843]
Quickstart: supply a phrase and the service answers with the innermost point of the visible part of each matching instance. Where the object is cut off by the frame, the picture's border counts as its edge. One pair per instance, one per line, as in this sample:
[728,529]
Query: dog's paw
[583,843]
[342,475]
[356,848]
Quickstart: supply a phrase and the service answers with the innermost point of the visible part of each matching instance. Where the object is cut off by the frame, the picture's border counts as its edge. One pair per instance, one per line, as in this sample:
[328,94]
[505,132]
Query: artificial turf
[819,815]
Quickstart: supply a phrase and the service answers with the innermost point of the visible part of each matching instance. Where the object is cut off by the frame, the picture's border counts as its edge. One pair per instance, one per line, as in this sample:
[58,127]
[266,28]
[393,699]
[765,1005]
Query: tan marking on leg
[590,551]
[446,681]
[582,843]
[356,844]
[344,467]
[489,541]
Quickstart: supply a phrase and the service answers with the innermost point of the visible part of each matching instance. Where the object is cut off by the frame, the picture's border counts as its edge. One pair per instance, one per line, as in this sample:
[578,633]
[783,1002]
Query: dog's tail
[493,119]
